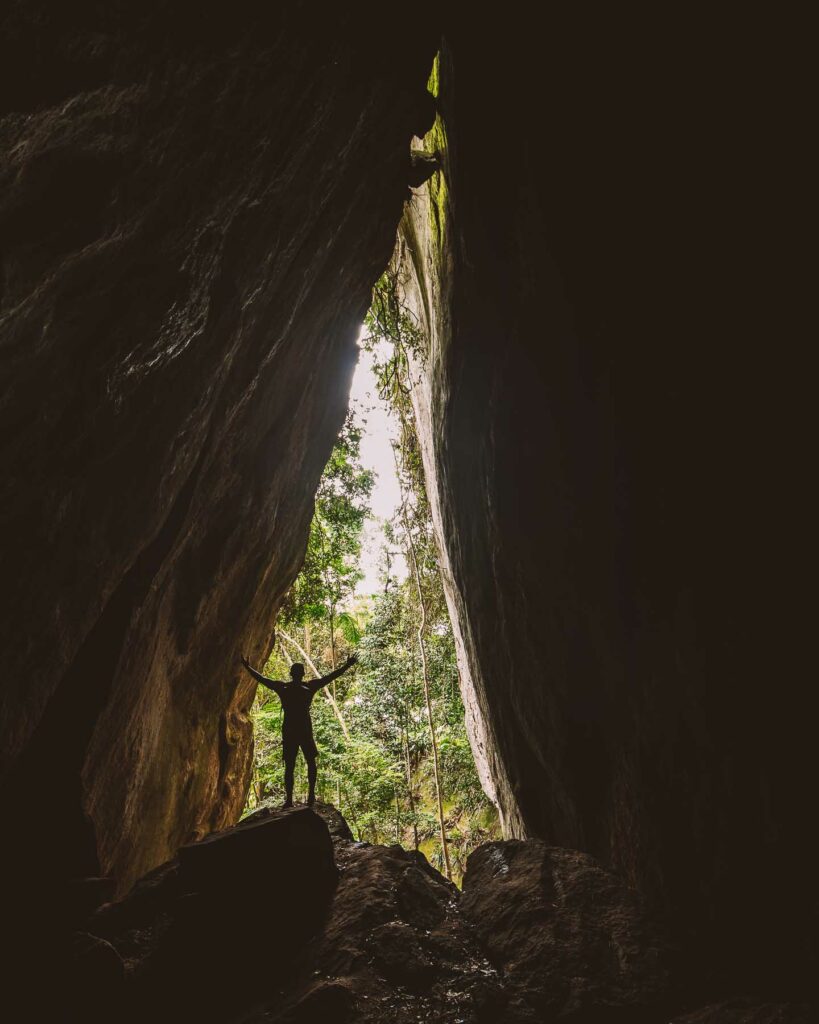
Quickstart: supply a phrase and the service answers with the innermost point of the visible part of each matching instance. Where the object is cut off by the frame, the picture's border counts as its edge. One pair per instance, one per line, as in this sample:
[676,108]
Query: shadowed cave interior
[197,202]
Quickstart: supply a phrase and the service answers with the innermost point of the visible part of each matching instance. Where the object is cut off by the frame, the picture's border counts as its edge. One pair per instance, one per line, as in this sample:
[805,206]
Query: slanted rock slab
[239,907]
[294,845]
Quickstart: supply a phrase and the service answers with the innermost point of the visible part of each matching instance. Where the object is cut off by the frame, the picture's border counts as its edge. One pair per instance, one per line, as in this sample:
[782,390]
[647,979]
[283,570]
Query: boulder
[292,847]
[393,947]
[286,919]
[96,978]
[238,908]
[570,940]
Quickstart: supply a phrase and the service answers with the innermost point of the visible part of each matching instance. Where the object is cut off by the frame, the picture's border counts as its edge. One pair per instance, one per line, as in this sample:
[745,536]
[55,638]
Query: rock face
[607,488]
[285,919]
[195,206]
[570,941]
[393,947]
[258,923]
[206,935]
[291,920]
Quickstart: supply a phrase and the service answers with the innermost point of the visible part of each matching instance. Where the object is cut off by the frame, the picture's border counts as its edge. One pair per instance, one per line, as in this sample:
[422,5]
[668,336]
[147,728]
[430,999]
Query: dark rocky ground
[286,919]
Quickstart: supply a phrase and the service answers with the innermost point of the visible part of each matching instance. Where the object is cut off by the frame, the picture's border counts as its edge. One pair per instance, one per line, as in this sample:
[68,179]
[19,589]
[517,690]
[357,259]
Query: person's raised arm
[316,684]
[271,684]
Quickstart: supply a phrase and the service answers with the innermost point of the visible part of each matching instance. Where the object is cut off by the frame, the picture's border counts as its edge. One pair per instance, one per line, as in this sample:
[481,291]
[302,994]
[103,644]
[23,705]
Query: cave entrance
[393,753]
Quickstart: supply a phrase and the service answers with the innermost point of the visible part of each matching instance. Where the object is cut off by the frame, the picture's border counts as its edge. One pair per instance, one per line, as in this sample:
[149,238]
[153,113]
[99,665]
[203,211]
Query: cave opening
[393,752]
[590,559]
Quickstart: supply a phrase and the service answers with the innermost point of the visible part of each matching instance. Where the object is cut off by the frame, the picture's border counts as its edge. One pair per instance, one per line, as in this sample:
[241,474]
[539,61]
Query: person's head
[297,671]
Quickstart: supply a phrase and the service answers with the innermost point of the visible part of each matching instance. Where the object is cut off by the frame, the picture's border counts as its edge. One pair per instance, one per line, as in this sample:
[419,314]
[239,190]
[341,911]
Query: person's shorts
[291,744]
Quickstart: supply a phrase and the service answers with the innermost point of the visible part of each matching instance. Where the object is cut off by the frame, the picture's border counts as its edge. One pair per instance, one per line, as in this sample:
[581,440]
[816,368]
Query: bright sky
[376,454]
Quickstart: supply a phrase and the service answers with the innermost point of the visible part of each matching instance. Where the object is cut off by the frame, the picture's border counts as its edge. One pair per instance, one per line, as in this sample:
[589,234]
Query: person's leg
[312,772]
[309,750]
[290,751]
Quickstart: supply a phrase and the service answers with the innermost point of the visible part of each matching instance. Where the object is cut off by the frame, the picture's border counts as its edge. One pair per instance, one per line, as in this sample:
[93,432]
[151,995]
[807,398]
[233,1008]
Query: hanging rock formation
[195,206]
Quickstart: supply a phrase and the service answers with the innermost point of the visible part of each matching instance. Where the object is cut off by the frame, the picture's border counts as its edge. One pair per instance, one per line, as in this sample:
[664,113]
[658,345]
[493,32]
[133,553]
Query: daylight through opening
[393,752]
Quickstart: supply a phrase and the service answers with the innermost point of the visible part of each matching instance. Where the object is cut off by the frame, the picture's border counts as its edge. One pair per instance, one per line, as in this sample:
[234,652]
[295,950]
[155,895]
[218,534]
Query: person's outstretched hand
[352,660]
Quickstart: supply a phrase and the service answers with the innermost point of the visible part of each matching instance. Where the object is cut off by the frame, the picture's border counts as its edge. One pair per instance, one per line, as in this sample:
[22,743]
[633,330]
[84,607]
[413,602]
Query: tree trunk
[333,639]
[409,789]
[425,673]
[333,649]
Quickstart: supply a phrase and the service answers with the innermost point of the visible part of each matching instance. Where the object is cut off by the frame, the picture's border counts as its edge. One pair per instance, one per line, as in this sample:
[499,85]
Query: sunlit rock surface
[195,206]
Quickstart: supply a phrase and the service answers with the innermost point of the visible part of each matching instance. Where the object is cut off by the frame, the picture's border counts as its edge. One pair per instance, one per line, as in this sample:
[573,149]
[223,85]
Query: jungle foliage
[393,750]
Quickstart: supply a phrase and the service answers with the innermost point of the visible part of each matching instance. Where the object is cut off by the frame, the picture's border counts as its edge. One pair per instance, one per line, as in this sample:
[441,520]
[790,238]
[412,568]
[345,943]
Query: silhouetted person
[297,729]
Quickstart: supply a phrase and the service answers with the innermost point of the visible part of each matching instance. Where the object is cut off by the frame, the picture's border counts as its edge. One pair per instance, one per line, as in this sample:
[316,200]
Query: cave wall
[195,206]
[609,453]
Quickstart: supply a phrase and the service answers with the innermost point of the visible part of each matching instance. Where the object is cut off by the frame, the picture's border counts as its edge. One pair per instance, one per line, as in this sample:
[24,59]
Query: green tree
[394,755]
[331,564]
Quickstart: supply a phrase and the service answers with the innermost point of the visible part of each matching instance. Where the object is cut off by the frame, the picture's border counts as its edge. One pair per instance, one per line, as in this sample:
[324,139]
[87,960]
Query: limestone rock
[293,920]
[606,488]
[570,941]
[196,202]
[394,947]
[286,919]
[239,907]
[293,845]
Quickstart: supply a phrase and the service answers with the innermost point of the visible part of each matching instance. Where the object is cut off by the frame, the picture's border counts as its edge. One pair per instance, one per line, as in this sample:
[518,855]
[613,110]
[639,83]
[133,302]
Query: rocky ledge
[286,919]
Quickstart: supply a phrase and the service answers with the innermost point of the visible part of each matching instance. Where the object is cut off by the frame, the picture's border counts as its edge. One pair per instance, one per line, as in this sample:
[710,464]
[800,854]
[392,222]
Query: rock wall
[195,206]
[421,270]
[609,452]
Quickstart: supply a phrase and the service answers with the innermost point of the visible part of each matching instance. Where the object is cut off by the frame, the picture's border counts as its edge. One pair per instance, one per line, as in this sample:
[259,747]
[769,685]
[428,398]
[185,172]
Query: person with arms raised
[296,696]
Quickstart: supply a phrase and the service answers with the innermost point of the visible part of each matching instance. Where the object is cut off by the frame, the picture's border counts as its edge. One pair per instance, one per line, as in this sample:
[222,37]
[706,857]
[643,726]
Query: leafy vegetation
[393,750]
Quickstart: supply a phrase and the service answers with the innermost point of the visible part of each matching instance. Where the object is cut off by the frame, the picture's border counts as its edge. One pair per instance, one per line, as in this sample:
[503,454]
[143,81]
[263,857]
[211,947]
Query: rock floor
[286,919]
